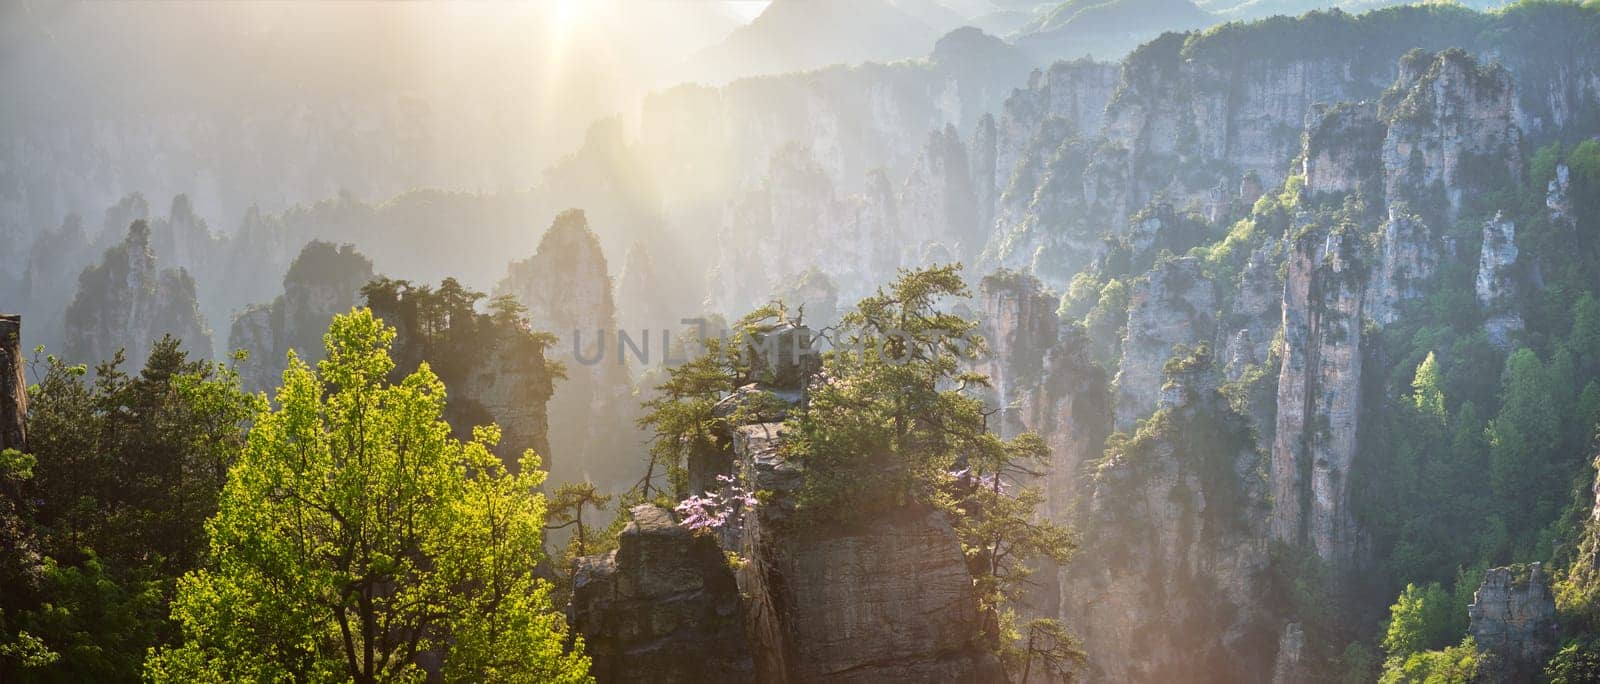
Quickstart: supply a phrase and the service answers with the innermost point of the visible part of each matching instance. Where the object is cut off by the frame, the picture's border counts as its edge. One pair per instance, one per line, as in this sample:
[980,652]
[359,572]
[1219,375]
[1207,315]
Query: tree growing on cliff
[893,420]
[355,535]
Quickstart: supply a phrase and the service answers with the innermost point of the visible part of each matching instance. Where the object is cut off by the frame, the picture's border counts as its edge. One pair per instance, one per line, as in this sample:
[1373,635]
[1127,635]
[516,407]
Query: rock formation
[1513,618]
[324,280]
[567,290]
[1167,583]
[1044,381]
[1019,325]
[493,365]
[126,302]
[1173,304]
[1343,149]
[938,197]
[1452,130]
[13,386]
[1407,258]
[1494,284]
[888,599]
[662,607]
[1319,396]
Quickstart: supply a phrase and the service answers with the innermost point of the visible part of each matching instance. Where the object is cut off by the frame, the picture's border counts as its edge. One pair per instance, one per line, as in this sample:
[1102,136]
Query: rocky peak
[1452,130]
[323,280]
[494,366]
[1019,324]
[1513,618]
[938,198]
[125,301]
[1076,91]
[1172,551]
[565,284]
[887,599]
[567,289]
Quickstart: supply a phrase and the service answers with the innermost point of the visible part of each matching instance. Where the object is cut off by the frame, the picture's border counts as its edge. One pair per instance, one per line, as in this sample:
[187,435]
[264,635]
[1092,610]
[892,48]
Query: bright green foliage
[1453,665]
[1578,662]
[1428,397]
[355,535]
[1420,619]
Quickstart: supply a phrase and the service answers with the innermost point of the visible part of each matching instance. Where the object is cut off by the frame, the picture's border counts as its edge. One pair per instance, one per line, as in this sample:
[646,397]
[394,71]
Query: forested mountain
[1254,351]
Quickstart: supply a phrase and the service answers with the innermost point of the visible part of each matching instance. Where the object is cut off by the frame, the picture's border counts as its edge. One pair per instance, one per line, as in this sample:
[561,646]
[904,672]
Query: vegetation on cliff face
[889,421]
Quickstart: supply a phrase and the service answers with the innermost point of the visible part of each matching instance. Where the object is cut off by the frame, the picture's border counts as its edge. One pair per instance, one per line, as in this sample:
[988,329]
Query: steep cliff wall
[1452,131]
[890,599]
[1319,396]
[493,364]
[1190,115]
[1173,304]
[1167,584]
[662,607]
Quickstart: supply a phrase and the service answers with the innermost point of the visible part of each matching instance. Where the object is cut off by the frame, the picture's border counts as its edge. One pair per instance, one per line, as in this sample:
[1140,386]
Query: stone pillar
[13,385]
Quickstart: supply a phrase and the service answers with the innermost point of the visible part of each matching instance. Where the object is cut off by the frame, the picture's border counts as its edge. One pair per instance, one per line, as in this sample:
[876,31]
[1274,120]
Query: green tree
[1527,472]
[1420,619]
[896,423]
[1426,392]
[1578,662]
[125,470]
[1453,665]
[356,535]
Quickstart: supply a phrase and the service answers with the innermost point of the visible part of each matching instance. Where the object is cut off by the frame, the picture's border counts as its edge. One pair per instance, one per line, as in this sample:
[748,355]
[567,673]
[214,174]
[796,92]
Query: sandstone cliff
[567,289]
[1168,583]
[1319,396]
[1514,624]
[13,386]
[127,302]
[1171,305]
[662,607]
[494,365]
[323,280]
[888,599]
